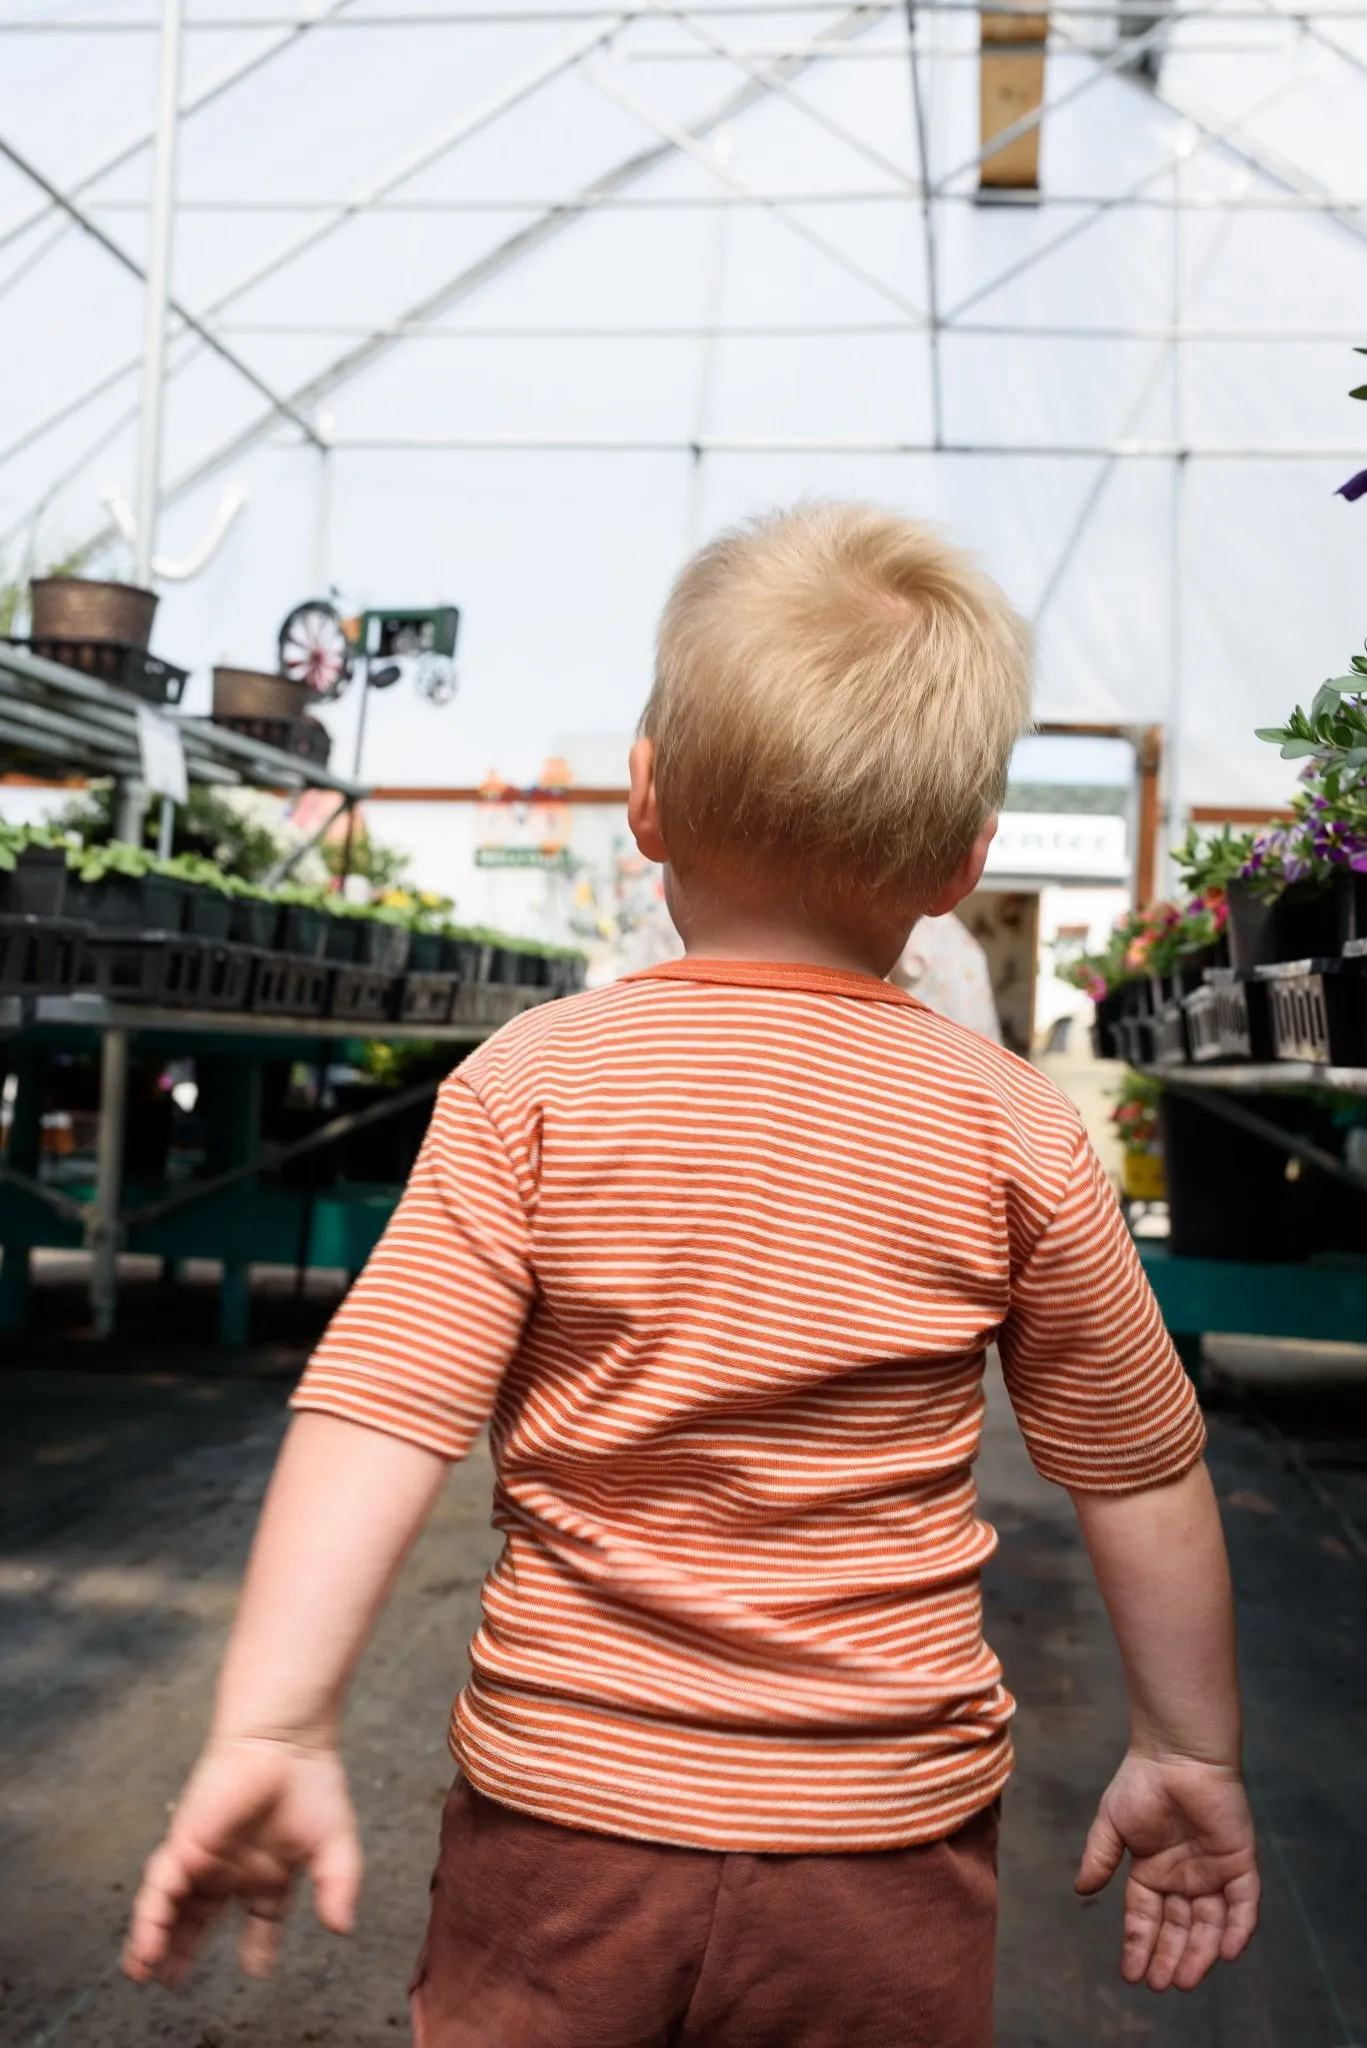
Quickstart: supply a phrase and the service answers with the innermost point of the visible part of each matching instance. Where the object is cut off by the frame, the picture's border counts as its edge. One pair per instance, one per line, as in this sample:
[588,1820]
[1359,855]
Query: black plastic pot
[1249,928]
[505,965]
[468,958]
[36,885]
[1352,906]
[254,921]
[208,912]
[1305,924]
[383,946]
[304,931]
[343,940]
[130,903]
[425,953]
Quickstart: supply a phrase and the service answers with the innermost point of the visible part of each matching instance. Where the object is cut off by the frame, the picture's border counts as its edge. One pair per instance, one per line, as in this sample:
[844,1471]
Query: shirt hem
[563,1806]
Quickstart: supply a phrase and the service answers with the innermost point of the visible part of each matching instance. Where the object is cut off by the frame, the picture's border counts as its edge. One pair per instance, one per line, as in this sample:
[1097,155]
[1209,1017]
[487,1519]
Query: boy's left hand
[254,1813]
[1191,1899]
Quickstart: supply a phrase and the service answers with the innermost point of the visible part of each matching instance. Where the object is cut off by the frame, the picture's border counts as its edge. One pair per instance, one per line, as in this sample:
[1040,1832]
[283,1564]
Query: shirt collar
[823,981]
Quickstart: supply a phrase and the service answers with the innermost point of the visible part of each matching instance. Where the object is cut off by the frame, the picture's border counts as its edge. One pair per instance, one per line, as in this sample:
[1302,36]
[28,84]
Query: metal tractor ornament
[322,648]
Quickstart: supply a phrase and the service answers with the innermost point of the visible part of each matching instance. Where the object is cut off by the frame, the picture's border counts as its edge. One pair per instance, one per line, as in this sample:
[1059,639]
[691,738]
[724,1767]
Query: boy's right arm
[268,1797]
[1177,1803]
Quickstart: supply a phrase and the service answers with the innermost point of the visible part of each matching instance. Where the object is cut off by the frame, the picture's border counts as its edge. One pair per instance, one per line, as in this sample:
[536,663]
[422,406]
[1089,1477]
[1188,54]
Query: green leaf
[1275,733]
[1297,750]
[1356,757]
[1326,700]
[1359,392]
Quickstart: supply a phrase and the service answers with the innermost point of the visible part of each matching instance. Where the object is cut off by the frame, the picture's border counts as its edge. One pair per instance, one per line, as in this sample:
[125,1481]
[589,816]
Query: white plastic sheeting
[518,432]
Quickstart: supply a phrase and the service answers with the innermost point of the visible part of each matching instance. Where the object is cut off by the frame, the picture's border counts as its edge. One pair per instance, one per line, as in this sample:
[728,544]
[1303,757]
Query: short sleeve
[422,1341]
[1101,1396]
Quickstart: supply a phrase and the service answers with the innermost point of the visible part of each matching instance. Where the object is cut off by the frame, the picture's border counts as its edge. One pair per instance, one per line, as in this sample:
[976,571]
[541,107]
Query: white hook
[181,572]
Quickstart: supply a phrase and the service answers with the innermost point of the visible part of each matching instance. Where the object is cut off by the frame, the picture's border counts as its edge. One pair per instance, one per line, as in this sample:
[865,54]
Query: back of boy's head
[837,693]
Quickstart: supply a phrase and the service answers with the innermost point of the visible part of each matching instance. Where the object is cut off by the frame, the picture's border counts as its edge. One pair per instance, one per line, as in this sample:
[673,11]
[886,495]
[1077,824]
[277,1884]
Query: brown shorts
[549,1937]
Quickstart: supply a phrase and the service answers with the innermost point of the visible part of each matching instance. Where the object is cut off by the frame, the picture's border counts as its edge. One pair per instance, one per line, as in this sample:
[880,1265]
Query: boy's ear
[643,814]
[967,875]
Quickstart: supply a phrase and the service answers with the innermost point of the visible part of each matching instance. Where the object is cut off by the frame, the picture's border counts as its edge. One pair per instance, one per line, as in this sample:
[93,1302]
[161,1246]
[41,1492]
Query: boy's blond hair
[837,693]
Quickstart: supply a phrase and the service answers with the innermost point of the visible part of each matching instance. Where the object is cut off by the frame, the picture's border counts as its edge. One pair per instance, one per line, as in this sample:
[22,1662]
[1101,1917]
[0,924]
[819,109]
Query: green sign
[550,859]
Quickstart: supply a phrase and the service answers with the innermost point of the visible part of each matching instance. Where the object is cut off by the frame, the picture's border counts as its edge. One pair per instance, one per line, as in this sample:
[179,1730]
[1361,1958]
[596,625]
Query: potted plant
[125,888]
[209,903]
[254,913]
[304,920]
[1135,1118]
[32,872]
[1313,871]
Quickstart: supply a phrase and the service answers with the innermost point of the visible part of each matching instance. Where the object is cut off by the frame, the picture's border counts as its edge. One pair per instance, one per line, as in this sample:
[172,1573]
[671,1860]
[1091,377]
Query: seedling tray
[361,994]
[289,985]
[226,977]
[147,967]
[426,998]
[40,956]
[208,912]
[36,885]
[1203,1025]
[1318,1011]
[1169,1030]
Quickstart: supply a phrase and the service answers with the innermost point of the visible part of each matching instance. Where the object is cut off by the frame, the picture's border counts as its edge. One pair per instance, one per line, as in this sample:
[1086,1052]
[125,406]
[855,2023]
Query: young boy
[717,1252]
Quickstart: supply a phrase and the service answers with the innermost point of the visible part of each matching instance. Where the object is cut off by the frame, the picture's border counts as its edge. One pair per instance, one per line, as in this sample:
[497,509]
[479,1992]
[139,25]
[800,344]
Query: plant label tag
[163,756]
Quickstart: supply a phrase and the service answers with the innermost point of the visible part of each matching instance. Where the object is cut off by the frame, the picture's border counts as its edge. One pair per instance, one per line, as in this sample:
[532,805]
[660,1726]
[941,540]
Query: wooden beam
[1148,761]
[1010,87]
[471,793]
[1238,814]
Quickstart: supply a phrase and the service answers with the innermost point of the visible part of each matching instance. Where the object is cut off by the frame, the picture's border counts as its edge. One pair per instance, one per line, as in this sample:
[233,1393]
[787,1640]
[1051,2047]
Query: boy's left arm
[1108,1412]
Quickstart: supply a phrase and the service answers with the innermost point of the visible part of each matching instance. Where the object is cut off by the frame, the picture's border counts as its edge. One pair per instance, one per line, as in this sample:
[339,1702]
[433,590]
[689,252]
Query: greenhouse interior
[369,372]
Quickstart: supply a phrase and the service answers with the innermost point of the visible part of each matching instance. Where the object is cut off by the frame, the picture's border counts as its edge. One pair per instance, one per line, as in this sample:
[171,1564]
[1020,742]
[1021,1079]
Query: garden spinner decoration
[322,648]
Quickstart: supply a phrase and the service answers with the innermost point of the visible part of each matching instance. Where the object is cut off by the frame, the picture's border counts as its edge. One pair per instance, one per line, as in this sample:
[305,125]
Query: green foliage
[207,826]
[384,867]
[1211,862]
[1333,732]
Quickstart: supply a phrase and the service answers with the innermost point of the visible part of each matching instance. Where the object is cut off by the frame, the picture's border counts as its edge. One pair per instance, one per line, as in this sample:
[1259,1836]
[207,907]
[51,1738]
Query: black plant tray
[147,967]
[226,977]
[289,985]
[1242,1014]
[114,661]
[41,956]
[1318,1010]
[1169,1031]
[1203,1025]
[426,998]
[1134,1040]
[253,921]
[361,994]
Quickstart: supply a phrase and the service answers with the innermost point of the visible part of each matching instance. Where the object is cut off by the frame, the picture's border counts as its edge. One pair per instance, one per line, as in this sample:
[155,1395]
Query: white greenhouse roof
[509,305]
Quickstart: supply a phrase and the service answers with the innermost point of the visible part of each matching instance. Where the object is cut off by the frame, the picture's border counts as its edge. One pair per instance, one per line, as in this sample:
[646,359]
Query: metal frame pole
[104,1230]
[158,289]
[707,368]
[921,115]
[1175,800]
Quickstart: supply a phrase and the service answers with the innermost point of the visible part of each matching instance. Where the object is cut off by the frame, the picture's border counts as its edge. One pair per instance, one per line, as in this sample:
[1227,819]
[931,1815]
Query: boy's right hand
[1191,1898]
[254,1813]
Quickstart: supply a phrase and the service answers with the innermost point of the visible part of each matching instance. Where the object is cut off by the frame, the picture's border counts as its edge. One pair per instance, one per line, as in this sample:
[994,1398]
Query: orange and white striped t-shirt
[717,1252]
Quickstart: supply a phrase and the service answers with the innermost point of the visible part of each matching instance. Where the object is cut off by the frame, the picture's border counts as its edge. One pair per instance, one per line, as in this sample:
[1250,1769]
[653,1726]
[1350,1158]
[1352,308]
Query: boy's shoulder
[910,1042]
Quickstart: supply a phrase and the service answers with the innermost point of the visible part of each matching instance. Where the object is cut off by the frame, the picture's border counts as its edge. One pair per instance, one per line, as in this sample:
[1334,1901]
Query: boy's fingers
[337,1870]
[1143,1919]
[156,1910]
[259,1946]
[1241,1918]
[1101,1856]
[1202,1951]
[1171,1943]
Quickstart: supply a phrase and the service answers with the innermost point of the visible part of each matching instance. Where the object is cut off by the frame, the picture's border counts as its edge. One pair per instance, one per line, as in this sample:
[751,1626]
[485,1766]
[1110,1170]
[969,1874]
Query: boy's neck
[737,934]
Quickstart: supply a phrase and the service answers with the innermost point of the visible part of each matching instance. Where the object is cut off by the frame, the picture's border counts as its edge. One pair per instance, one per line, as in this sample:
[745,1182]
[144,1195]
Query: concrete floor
[126,1503]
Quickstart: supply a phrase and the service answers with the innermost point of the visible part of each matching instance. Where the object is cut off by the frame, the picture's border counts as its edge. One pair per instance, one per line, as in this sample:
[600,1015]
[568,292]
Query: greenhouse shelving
[1322,1299]
[229,1215]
